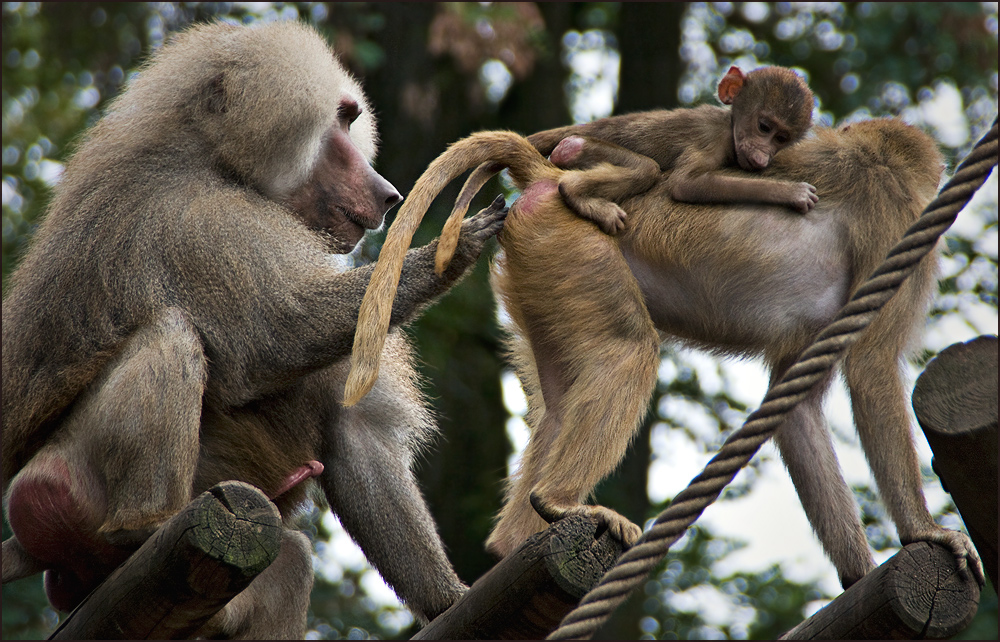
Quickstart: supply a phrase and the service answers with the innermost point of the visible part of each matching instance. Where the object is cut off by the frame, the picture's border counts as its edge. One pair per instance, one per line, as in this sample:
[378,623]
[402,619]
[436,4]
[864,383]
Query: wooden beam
[955,401]
[185,572]
[526,595]
[916,594]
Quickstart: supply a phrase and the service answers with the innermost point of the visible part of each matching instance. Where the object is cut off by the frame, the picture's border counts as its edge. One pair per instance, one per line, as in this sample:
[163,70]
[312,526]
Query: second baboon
[589,312]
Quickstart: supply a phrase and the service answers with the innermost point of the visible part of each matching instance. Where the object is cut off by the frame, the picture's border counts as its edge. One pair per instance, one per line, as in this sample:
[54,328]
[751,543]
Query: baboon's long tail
[449,234]
[544,142]
[507,149]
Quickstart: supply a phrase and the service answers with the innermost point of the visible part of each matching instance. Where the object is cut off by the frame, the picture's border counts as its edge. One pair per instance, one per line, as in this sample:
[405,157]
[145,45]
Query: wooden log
[918,593]
[526,595]
[955,401]
[185,572]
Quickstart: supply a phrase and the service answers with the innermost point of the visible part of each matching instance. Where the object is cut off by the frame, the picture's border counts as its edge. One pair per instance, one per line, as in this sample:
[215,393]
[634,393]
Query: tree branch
[916,594]
[185,572]
[525,595]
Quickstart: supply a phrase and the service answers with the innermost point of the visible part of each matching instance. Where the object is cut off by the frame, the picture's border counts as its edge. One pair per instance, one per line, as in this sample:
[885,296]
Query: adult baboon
[179,320]
[589,311]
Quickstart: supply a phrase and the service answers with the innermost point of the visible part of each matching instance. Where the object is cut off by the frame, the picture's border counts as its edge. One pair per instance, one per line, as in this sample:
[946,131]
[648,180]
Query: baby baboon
[771,109]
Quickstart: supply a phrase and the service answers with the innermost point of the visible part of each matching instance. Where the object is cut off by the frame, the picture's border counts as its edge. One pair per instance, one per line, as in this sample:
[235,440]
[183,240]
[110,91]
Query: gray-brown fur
[179,320]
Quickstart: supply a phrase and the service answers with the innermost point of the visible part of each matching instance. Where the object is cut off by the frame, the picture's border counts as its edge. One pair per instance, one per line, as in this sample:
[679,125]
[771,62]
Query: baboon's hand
[486,223]
[475,231]
[608,215]
[131,537]
[614,220]
[802,197]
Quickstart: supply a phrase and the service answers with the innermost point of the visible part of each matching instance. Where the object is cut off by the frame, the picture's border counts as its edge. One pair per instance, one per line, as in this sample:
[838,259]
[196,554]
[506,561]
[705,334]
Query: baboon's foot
[620,527]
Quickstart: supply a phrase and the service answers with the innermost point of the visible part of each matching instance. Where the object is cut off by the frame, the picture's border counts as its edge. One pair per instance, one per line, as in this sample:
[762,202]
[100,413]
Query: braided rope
[812,366]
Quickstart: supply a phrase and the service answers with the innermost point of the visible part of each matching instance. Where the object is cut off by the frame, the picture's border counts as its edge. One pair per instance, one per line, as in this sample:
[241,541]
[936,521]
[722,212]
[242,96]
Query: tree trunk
[917,594]
[187,571]
[526,596]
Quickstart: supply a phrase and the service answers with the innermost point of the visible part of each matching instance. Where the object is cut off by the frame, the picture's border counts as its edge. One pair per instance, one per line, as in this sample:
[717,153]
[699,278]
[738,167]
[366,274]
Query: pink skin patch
[566,151]
[299,475]
[535,193]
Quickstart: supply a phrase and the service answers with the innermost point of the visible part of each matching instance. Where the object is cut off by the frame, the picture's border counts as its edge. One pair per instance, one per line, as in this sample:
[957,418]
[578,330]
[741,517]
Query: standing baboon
[589,310]
[179,320]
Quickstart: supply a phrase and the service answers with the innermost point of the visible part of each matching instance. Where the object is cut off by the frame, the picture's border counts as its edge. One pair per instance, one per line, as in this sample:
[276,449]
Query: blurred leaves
[686,600]
[474,33]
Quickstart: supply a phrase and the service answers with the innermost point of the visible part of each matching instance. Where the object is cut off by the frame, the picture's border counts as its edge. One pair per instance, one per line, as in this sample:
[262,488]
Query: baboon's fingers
[621,528]
[488,221]
[966,557]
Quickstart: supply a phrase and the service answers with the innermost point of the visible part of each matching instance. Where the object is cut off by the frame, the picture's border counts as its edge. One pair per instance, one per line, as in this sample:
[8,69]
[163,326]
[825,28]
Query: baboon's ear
[730,85]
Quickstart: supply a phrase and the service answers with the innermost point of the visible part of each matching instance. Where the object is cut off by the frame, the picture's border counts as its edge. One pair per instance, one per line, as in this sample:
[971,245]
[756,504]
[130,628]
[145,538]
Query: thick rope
[811,367]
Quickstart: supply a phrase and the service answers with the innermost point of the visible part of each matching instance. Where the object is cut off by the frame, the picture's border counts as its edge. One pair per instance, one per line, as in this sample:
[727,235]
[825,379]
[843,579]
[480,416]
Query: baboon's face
[344,195]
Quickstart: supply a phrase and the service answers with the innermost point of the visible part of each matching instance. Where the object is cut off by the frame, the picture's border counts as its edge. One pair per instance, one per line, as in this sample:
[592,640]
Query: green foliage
[26,614]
